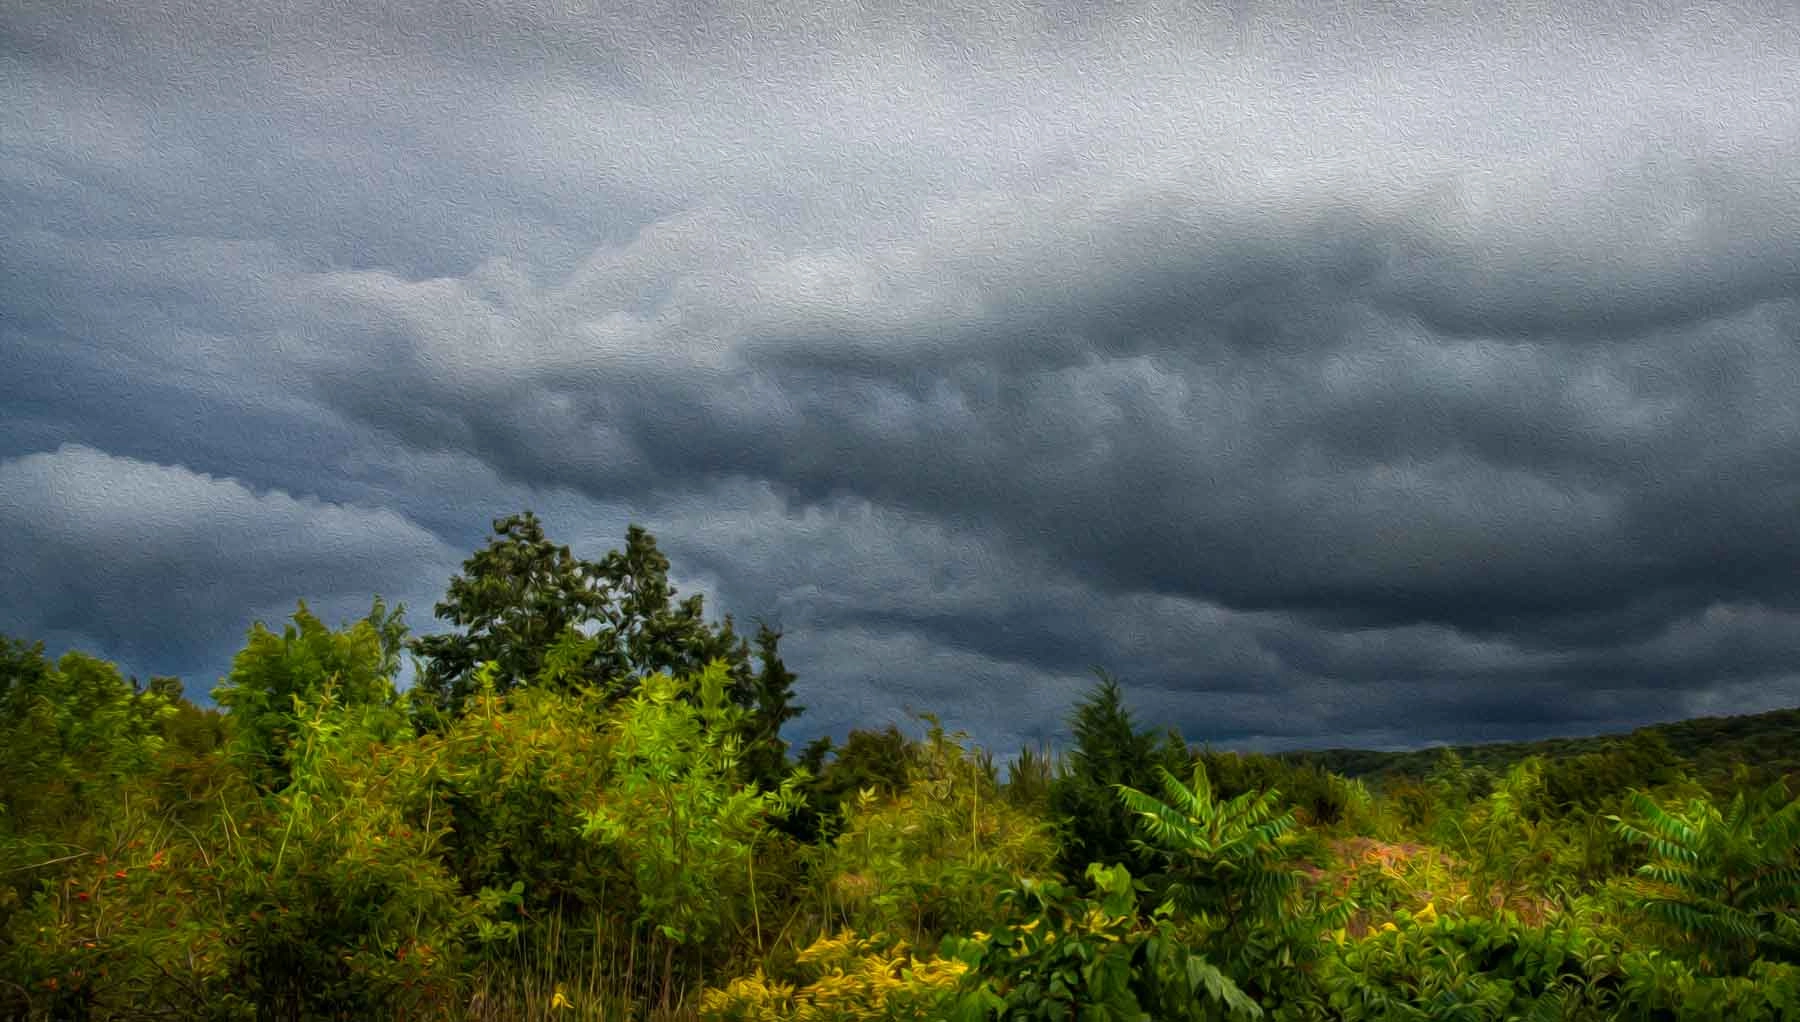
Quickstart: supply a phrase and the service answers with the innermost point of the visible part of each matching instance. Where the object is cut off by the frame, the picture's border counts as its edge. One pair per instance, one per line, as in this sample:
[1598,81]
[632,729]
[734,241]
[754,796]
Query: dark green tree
[770,699]
[549,618]
[1091,824]
[880,761]
[645,631]
[513,601]
[24,675]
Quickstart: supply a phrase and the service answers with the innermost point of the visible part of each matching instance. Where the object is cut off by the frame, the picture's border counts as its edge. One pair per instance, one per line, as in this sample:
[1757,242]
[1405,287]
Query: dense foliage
[584,809]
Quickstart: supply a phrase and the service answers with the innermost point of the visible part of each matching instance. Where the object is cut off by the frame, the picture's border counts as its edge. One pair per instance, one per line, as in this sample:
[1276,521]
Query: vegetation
[1709,749]
[584,809]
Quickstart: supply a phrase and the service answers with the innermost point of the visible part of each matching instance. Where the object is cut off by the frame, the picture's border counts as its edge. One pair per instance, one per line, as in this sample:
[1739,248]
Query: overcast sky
[1333,374]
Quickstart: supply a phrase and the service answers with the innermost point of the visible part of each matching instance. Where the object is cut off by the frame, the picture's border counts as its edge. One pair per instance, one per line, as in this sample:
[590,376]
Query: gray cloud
[1303,365]
[110,553]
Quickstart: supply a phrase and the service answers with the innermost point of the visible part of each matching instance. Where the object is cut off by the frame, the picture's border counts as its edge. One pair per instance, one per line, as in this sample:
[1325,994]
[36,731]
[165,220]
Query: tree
[878,761]
[546,617]
[1109,751]
[771,704]
[649,633]
[514,599]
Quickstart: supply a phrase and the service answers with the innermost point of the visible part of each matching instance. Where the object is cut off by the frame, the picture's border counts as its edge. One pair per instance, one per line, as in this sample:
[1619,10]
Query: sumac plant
[1093,959]
[1723,884]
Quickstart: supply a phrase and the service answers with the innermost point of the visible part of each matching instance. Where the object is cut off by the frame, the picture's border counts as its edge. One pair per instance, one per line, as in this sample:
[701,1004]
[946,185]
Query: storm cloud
[1331,374]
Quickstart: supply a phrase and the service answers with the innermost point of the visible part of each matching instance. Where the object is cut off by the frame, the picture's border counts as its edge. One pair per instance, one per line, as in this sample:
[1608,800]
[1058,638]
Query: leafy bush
[1095,958]
[274,675]
[1427,968]
[77,744]
[676,816]
[1320,798]
[74,737]
[845,978]
[515,776]
[335,895]
[1228,867]
[1723,885]
[321,898]
[931,859]
[1659,986]
[1225,860]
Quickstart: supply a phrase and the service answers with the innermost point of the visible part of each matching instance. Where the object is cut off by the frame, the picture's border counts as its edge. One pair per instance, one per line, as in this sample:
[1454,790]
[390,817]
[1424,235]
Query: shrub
[845,978]
[1098,958]
[1721,885]
[678,819]
[933,858]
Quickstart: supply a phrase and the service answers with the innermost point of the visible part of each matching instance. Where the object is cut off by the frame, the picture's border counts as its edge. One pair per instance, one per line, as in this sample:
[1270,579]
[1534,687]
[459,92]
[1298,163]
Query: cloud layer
[1333,376]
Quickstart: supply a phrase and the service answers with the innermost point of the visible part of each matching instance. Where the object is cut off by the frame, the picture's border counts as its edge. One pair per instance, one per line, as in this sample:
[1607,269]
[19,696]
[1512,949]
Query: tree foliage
[547,618]
[275,676]
[1109,751]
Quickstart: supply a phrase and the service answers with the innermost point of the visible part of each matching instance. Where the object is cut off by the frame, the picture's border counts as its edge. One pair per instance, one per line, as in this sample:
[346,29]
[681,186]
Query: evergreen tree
[771,702]
[1092,825]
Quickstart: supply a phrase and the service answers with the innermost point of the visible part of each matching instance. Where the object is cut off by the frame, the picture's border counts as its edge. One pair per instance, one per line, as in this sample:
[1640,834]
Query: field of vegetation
[583,809]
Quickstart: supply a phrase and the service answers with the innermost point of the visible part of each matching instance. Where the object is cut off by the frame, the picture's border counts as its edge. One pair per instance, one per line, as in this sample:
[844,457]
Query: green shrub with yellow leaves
[844,978]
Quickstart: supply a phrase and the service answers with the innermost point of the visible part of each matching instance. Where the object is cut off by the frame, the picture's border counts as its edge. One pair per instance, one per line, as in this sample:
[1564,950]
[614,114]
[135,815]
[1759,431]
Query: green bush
[678,819]
[1723,885]
[931,859]
[1098,958]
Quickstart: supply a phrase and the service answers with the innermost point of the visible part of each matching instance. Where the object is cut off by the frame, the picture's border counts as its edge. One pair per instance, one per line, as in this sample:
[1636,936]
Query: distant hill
[1768,744]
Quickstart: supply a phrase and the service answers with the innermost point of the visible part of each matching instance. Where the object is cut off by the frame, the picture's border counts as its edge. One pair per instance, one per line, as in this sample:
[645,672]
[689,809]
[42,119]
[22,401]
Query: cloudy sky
[1333,374]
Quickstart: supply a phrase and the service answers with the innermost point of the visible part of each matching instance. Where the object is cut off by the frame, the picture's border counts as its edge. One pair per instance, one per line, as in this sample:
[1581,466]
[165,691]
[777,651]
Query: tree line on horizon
[583,808]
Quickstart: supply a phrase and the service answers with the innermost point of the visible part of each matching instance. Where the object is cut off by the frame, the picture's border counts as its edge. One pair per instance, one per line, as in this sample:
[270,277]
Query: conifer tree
[1092,825]
[770,698]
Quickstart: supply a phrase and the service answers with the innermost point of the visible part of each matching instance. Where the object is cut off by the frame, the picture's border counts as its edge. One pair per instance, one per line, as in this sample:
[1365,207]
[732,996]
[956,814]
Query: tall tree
[547,617]
[770,699]
[513,601]
[649,632]
[1092,825]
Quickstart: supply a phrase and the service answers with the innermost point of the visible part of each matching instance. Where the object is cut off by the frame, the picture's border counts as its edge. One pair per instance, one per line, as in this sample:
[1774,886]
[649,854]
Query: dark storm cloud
[105,552]
[1333,376]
